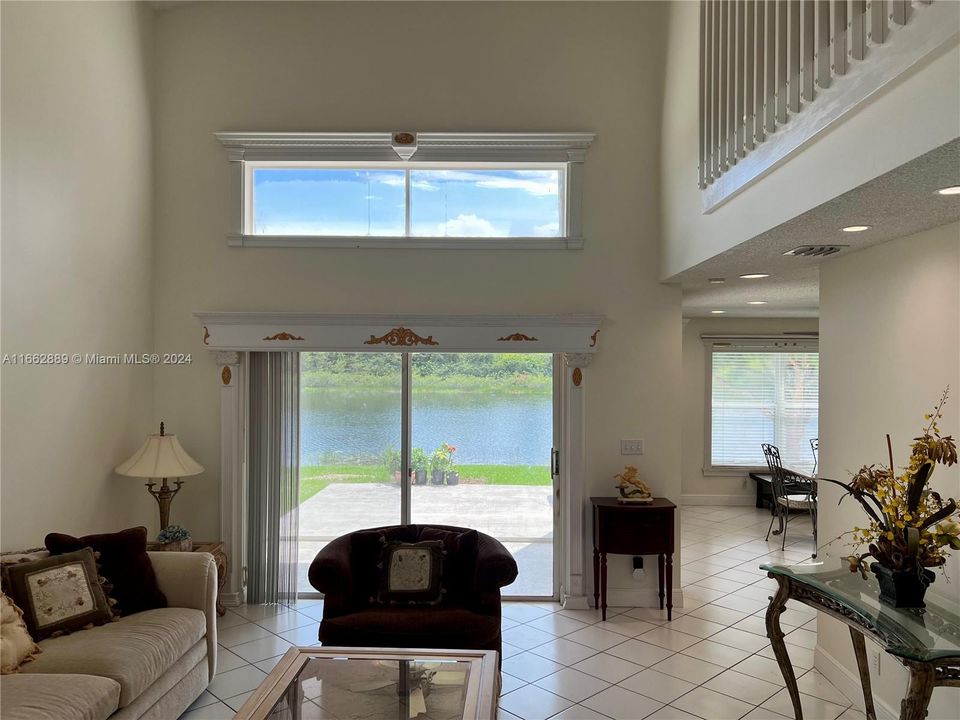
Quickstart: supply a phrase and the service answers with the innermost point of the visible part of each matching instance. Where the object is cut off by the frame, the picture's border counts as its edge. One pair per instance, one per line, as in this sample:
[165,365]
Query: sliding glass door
[482,432]
[350,417]
[475,431]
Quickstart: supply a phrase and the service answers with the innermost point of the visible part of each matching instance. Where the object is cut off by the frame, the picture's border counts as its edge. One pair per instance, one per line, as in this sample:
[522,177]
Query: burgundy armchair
[469,619]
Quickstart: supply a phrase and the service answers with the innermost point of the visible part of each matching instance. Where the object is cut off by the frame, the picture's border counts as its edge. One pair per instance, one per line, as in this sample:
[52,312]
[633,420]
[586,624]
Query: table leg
[603,586]
[778,603]
[669,588]
[860,650]
[914,705]
[660,577]
[596,578]
[220,558]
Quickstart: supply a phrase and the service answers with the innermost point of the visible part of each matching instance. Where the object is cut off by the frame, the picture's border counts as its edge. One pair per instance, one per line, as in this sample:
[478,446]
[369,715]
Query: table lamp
[161,456]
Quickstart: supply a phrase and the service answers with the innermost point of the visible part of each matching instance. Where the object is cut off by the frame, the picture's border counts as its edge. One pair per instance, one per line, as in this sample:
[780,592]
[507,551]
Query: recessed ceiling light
[717,312]
[954,190]
[717,281]
[754,276]
[756,302]
[855,228]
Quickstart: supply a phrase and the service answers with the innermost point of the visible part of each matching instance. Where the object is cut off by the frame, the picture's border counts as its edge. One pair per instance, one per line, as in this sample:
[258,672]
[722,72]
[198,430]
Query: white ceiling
[901,202]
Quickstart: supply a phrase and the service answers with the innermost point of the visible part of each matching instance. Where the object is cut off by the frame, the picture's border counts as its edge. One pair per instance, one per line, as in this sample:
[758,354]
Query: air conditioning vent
[815,250]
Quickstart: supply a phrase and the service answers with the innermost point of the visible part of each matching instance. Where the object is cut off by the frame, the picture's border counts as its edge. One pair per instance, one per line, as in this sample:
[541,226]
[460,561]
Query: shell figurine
[630,484]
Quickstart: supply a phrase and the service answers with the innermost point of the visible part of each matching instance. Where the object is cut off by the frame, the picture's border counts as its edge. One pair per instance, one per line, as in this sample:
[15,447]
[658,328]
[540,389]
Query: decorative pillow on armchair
[59,594]
[411,573]
[460,561]
[123,562]
[366,548]
[16,645]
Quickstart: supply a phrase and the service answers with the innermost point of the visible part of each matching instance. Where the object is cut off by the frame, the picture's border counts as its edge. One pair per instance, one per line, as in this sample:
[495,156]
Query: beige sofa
[152,664]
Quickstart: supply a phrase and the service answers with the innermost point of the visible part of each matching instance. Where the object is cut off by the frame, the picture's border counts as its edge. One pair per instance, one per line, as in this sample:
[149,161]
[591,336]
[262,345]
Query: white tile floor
[713,662]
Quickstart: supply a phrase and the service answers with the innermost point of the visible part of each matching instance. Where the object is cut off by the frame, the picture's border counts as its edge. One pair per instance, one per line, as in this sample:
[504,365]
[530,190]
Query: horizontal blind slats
[762,397]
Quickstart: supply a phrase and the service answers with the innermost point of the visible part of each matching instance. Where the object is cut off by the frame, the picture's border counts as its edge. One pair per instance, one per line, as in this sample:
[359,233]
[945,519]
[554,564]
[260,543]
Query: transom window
[439,200]
[407,190]
[761,393]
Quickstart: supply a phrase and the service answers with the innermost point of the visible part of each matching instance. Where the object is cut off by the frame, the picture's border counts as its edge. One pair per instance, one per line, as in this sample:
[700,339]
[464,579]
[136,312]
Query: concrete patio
[520,516]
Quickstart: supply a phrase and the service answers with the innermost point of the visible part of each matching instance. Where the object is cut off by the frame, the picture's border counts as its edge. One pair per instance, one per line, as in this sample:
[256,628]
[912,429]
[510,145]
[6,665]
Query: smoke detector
[815,250]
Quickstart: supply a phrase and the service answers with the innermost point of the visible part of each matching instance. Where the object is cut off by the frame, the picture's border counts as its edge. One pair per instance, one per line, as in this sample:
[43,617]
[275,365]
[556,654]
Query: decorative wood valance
[388,333]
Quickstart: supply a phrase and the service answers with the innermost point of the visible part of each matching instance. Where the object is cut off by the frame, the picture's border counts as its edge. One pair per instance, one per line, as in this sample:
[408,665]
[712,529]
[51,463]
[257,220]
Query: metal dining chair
[791,491]
[815,449]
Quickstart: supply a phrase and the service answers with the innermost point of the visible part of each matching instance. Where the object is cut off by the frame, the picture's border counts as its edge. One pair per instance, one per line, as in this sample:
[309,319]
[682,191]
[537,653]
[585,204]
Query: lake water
[338,426]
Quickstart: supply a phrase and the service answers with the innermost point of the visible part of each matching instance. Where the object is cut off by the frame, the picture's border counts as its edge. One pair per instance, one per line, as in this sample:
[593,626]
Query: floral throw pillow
[59,594]
[16,645]
[410,573]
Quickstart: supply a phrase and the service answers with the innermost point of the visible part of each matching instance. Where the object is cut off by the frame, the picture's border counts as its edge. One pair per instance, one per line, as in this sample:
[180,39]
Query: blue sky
[464,203]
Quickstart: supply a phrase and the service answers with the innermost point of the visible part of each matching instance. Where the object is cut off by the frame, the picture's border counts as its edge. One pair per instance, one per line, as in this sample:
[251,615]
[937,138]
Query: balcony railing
[764,63]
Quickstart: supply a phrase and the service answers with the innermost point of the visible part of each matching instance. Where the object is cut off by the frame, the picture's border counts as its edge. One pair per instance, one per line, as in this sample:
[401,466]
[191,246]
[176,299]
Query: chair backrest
[815,449]
[772,455]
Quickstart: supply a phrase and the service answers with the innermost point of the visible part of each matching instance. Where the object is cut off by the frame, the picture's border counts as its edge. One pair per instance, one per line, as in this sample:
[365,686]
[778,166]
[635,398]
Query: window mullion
[406,200]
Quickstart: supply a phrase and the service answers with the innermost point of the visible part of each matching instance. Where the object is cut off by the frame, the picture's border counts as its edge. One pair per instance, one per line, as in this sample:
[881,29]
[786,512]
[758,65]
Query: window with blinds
[760,395]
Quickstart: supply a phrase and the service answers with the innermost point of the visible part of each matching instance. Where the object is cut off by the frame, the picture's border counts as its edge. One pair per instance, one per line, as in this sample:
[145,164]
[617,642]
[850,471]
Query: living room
[511,355]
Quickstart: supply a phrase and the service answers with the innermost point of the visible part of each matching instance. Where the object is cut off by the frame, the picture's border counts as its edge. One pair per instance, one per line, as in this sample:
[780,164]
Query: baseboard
[849,683]
[735,500]
[641,597]
[233,599]
[575,602]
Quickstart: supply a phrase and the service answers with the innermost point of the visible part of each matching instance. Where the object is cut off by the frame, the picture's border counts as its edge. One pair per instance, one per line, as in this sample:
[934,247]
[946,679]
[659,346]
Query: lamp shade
[160,456]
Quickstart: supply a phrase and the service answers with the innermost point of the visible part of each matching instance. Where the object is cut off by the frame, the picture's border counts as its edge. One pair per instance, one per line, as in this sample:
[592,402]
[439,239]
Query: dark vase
[453,478]
[420,477]
[436,477]
[902,588]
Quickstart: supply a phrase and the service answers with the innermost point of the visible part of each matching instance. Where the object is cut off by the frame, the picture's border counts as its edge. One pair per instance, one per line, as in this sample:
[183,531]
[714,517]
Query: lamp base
[164,496]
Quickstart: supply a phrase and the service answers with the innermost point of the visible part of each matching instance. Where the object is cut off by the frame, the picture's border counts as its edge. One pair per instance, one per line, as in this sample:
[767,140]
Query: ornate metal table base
[924,676]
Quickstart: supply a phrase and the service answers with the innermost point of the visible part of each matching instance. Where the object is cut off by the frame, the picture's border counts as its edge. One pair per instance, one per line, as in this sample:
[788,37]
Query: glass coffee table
[345,683]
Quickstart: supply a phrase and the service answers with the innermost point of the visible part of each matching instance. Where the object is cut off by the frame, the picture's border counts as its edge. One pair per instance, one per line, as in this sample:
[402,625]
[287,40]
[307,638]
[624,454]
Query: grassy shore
[314,478]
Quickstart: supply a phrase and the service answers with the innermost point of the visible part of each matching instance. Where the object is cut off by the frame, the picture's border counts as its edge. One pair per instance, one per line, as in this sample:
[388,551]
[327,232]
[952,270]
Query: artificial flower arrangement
[175,537]
[911,527]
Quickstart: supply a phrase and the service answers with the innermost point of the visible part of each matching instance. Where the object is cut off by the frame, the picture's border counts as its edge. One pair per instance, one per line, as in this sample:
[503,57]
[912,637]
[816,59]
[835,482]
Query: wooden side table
[215,548]
[632,529]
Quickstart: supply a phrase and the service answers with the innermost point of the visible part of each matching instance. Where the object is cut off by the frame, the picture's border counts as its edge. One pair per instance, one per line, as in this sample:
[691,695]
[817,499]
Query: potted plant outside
[440,463]
[391,460]
[453,476]
[418,463]
[175,538]
[912,528]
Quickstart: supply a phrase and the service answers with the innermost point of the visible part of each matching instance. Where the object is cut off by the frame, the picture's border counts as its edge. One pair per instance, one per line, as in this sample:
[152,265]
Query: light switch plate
[631,447]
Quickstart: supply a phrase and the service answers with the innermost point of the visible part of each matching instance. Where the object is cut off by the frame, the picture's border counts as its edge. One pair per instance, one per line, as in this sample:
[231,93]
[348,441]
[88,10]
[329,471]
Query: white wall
[431,66]
[889,345]
[76,255]
[916,113]
[716,490]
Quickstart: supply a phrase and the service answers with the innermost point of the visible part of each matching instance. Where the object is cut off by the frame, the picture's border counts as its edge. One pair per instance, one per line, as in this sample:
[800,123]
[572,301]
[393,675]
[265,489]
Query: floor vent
[815,250]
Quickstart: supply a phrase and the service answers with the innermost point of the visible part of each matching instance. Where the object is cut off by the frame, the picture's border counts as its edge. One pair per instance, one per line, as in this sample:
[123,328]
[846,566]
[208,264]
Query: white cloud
[329,229]
[535,182]
[468,226]
[550,229]
[540,188]
[423,185]
[388,179]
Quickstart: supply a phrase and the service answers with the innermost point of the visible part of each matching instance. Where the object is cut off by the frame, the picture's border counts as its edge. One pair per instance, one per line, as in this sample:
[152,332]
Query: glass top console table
[926,641]
[341,683]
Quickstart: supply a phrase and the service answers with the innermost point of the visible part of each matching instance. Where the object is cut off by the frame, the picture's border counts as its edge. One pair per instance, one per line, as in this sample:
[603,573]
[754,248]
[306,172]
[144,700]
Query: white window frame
[775,344]
[397,151]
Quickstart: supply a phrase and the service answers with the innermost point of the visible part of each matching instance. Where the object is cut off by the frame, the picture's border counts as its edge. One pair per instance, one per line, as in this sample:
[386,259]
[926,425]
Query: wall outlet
[631,447]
